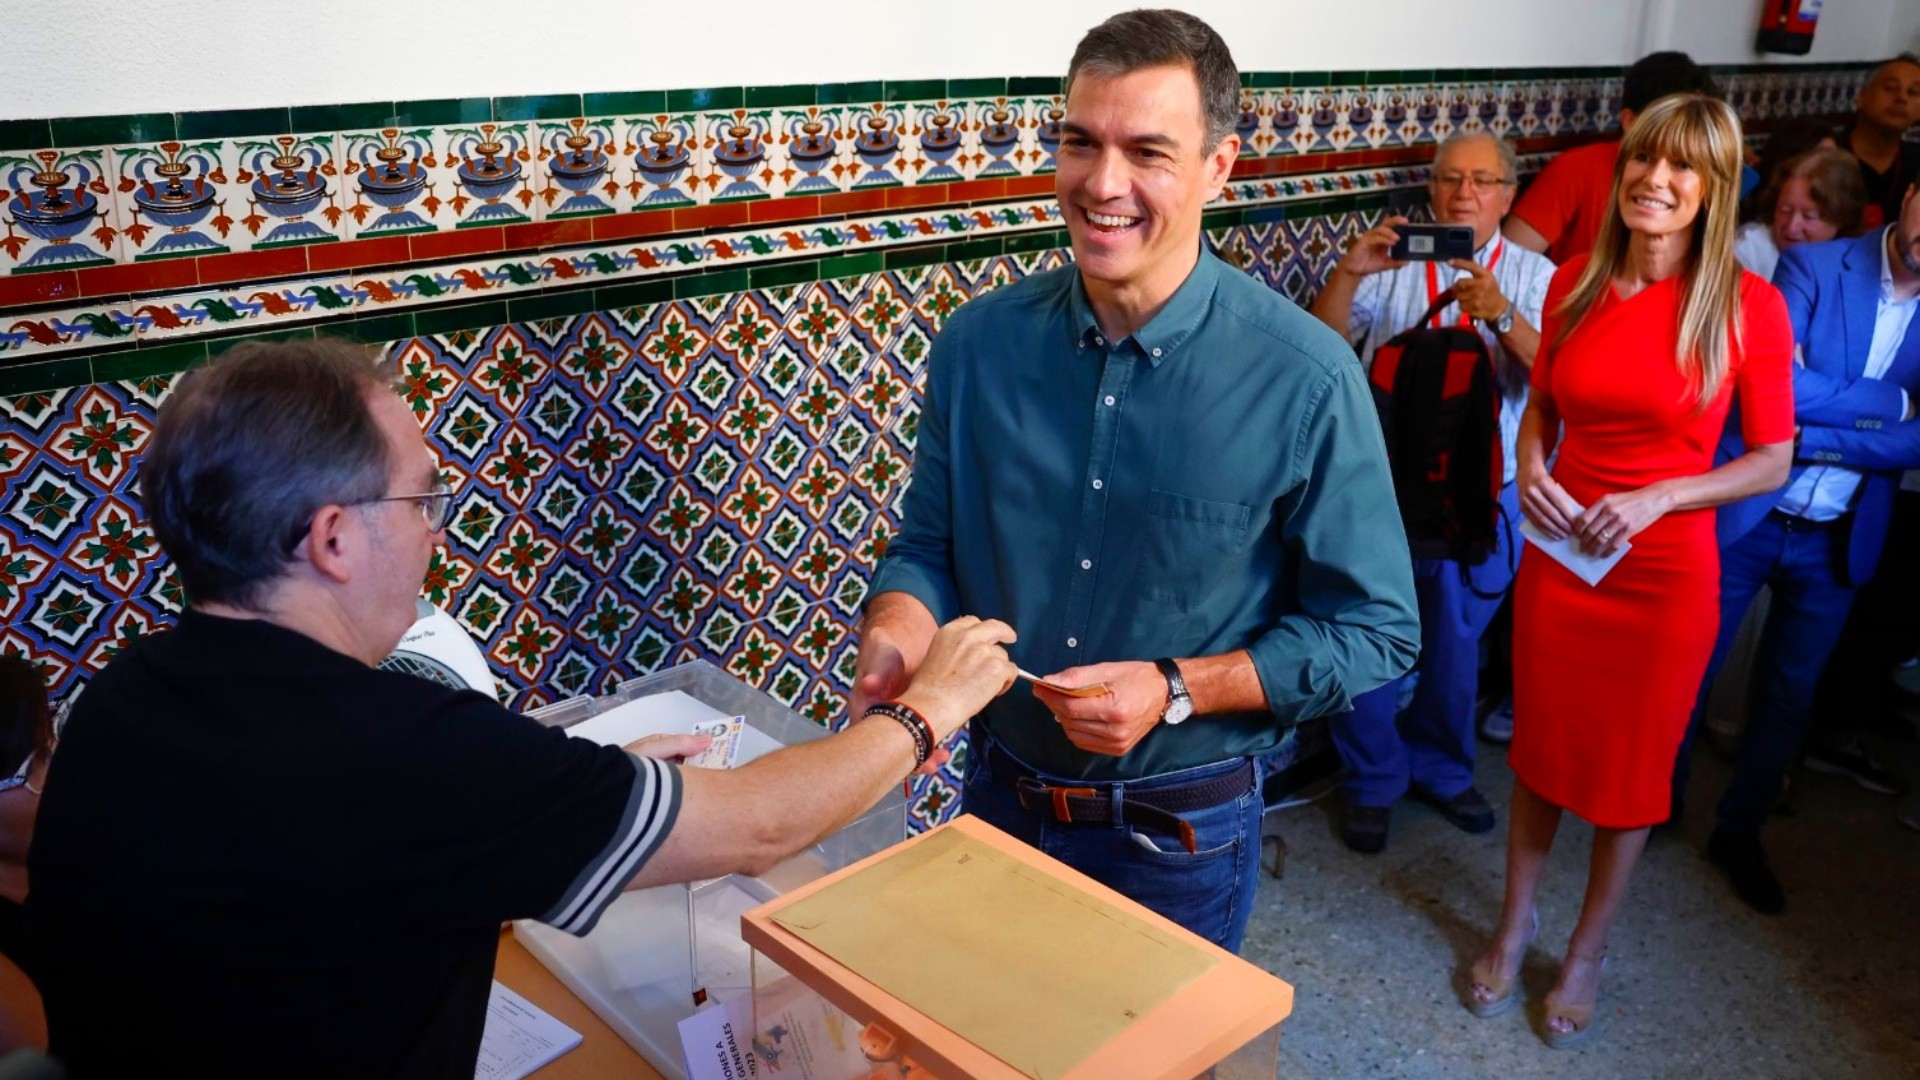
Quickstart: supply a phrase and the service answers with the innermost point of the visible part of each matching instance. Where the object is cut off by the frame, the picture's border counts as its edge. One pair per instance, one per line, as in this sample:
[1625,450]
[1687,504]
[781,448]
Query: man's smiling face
[1134,171]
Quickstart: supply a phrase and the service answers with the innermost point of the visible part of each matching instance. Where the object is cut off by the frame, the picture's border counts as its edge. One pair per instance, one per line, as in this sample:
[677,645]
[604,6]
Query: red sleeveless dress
[1605,676]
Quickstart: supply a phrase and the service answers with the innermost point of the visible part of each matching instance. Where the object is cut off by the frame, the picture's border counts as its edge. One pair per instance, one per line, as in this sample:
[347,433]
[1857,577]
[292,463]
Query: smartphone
[1435,242]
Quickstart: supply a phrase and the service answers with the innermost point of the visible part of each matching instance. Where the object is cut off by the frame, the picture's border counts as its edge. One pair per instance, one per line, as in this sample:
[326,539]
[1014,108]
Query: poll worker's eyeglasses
[1473,182]
[435,505]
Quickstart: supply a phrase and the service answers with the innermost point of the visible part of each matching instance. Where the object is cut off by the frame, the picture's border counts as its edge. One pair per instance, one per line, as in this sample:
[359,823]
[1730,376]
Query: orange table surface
[602,1053]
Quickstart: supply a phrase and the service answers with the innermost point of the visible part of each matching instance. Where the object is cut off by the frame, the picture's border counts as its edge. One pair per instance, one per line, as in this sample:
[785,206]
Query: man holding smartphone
[1370,297]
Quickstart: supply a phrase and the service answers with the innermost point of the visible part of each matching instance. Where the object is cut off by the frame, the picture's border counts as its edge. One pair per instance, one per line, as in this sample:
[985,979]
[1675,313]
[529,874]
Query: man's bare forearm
[900,620]
[1223,683]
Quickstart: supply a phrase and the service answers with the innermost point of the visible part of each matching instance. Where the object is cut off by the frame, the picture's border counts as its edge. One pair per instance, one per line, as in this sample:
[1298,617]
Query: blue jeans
[1809,608]
[1210,892]
[1430,745]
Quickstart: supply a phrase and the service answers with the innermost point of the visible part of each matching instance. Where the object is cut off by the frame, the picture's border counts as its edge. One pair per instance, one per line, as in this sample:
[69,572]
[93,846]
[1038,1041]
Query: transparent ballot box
[963,954]
[657,955]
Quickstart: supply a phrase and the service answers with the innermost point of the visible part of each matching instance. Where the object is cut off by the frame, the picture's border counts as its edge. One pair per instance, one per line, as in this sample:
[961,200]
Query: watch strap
[1176,684]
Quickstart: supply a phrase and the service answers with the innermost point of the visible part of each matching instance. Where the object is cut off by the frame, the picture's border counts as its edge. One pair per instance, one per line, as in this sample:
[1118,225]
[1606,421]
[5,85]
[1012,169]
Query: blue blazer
[1833,294]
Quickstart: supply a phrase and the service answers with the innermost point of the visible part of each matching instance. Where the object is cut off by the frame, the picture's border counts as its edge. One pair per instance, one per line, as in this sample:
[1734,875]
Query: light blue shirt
[1825,492]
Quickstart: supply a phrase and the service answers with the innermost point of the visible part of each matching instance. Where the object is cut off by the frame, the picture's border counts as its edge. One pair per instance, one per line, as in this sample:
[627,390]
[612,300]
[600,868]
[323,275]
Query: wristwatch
[1504,323]
[1179,702]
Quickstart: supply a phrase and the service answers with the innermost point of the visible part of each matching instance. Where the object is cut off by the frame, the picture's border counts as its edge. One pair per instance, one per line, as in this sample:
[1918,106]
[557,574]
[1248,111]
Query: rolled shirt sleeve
[1357,625]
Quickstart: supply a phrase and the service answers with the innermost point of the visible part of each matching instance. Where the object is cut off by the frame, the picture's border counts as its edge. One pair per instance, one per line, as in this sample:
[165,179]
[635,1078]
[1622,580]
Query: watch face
[1178,709]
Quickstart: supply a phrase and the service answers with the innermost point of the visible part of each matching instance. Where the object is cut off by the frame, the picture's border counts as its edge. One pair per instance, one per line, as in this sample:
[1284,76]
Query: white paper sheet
[1567,552]
[519,1037]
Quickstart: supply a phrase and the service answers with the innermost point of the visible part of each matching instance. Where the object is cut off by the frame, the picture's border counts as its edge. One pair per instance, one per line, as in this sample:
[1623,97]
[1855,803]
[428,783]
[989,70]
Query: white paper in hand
[1567,552]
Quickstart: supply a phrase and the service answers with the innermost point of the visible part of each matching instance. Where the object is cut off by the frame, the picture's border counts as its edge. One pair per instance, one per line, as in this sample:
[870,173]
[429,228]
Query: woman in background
[1645,341]
[1814,197]
[26,745]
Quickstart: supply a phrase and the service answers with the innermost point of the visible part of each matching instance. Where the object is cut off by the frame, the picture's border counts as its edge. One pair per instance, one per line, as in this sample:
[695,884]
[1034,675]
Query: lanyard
[1433,285]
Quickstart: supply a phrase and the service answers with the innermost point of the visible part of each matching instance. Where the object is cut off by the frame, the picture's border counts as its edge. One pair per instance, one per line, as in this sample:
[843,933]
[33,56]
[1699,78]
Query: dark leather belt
[1092,802]
[1794,523]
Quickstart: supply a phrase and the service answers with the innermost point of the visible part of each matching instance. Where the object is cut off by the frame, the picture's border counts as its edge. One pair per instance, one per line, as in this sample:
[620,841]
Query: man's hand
[675,748]
[1479,296]
[1368,255]
[880,674]
[1116,721]
[966,666]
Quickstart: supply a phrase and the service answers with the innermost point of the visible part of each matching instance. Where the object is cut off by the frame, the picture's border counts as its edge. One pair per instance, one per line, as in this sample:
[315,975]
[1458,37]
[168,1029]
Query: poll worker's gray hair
[249,448]
[1159,37]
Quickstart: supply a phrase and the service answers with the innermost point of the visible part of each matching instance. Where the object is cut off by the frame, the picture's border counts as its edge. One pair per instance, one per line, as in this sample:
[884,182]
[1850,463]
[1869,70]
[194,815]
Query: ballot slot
[659,955]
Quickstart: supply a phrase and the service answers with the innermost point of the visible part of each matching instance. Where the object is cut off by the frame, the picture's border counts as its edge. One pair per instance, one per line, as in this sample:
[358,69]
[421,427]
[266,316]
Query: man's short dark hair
[1158,37]
[1656,75]
[247,449]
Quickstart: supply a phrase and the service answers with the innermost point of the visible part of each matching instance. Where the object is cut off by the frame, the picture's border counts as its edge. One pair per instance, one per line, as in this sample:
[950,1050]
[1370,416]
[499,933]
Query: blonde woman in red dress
[1646,345]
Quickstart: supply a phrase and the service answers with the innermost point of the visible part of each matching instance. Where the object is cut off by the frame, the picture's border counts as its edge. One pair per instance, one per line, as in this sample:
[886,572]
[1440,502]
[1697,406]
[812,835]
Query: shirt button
[1098,340]
[1109,400]
[1156,352]
[1086,564]
[1097,485]
[1073,643]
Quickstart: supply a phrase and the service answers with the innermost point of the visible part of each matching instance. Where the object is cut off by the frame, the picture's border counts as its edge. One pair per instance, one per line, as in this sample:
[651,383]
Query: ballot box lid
[1226,1005]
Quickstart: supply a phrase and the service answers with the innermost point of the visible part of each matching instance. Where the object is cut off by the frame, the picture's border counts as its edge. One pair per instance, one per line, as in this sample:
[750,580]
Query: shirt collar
[1171,326]
[1886,265]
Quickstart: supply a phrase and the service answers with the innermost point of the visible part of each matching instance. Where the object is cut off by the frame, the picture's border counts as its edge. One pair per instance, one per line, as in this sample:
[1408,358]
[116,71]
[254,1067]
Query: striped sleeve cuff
[652,805]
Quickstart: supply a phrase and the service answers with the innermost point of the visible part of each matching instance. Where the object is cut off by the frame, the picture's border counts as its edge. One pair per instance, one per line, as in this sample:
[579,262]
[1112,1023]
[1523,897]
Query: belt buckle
[1057,795]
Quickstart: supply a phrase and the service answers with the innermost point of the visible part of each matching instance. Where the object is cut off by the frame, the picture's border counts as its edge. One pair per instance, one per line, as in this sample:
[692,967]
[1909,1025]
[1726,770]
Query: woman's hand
[1547,504]
[1614,519]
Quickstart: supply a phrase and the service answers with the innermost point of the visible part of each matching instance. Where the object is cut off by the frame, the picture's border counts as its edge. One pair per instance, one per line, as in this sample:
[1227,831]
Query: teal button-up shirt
[1215,482]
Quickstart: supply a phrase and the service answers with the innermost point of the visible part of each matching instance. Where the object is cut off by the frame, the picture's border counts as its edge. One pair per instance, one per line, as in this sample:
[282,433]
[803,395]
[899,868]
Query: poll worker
[1560,213]
[1370,297]
[1852,303]
[258,855]
[1171,481]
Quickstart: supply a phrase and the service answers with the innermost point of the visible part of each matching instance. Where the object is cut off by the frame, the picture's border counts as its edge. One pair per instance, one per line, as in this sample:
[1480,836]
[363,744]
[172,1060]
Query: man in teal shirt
[1170,481]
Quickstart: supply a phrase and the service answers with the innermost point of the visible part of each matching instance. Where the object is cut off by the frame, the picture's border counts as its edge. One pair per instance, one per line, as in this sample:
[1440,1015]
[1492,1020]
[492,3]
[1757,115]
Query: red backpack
[1439,410]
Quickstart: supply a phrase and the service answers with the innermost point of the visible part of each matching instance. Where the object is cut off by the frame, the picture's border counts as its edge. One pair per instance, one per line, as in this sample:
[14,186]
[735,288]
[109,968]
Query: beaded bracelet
[916,725]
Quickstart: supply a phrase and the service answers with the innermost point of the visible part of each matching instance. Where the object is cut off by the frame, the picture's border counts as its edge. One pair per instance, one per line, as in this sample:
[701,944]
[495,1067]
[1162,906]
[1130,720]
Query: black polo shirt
[1886,189]
[259,857]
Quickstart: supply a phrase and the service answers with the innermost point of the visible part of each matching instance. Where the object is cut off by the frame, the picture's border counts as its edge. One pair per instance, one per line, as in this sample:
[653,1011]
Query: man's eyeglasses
[1471,181]
[435,505]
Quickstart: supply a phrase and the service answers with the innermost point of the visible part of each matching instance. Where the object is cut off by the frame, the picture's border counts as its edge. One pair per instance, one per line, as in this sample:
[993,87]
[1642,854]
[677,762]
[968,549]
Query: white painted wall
[180,55]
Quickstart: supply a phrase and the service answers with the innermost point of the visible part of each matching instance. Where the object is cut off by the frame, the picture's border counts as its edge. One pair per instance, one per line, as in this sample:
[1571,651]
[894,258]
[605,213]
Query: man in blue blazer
[1816,540]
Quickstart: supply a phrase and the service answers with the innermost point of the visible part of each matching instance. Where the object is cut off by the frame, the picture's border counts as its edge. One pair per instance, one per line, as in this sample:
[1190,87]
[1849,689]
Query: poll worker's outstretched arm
[746,820]
[1351,622]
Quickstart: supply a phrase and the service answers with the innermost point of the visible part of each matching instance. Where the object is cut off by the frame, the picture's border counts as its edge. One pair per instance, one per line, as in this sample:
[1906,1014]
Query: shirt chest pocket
[1189,546]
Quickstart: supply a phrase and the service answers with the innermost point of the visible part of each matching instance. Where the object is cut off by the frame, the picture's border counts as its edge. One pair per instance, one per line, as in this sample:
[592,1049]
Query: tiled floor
[1697,986]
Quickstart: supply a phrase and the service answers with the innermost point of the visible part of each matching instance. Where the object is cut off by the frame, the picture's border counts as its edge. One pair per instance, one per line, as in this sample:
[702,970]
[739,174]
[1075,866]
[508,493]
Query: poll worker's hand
[1368,254]
[675,748]
[1547,504]
[1116,721]
[966,666]
[1614,519]
[1479,296]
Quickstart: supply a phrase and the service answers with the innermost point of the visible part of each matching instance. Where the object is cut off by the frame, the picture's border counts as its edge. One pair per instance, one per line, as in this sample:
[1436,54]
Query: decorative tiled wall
[665,447]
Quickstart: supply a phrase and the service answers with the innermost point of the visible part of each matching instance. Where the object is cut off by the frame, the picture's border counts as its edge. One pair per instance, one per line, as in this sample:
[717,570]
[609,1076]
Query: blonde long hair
[1705,133]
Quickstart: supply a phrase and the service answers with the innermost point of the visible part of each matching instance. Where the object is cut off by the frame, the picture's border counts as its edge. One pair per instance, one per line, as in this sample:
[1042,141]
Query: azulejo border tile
[254,307]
